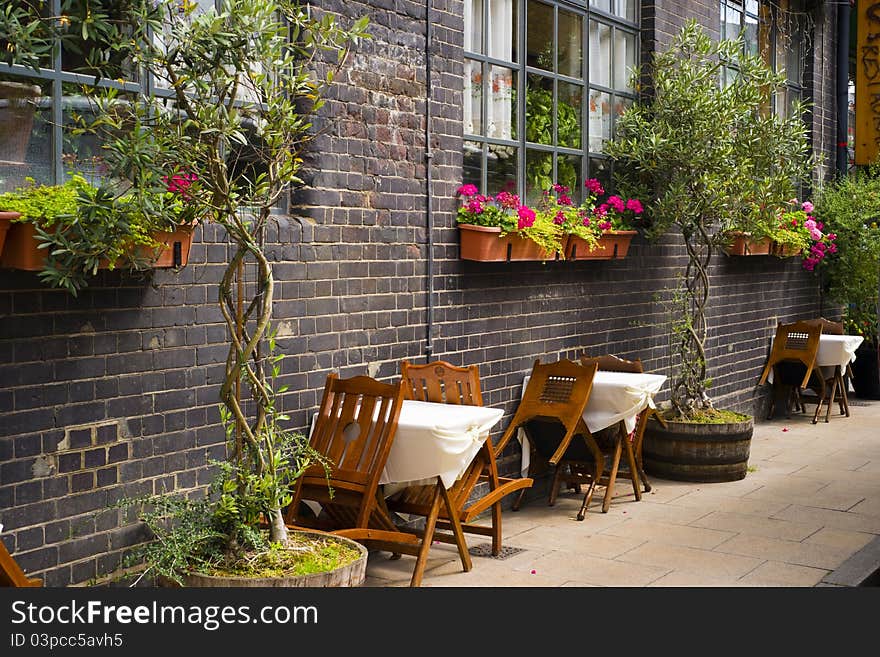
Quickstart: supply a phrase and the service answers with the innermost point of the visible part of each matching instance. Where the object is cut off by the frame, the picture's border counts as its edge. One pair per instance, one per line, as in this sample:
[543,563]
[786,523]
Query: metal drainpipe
[429,195]
[843,36]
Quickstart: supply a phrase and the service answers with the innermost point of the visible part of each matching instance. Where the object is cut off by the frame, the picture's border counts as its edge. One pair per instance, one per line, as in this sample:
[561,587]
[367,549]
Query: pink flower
[586,221]
[507,200]
[559,219]
[564,200]
[635,205]
[594,186]
[617,203]
[807,207]
[605,225]
[560,189]
[526,217]
[601,211]
[467,190]
[475,206]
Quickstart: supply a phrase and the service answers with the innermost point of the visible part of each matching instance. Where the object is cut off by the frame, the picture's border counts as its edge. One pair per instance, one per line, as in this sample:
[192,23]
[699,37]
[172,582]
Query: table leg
[612,475]
[427,537]
[457,531]
[633,468]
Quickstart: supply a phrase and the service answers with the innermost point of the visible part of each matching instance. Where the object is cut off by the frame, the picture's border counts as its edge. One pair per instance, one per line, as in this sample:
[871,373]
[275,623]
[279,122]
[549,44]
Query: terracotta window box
[484,244]
[613,245]
[21,248]
[785,250]
[743,245]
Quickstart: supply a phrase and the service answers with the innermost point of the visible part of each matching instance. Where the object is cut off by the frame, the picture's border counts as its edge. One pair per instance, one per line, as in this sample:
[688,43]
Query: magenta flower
[475,206]
[594,186]
[560,189]
[601,211]
[526,217]
[605,225]
[507,200]
[559,219]
[467,190]
[564,200]
[635,205]
[617,203]
[807,207]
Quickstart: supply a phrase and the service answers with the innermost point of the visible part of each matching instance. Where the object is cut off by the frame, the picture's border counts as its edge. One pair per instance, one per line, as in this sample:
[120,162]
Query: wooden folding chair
[614,447]
[792,360]
[551,414]
[838,381]
[11,573]
[354,429]
[443,383]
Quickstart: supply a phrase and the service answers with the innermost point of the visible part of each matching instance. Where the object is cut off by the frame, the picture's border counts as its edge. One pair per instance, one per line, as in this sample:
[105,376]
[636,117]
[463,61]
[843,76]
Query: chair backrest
[442,383]
[797,342]
[557,391]
[829,327]
[11,573]
[354,430]
[611,363]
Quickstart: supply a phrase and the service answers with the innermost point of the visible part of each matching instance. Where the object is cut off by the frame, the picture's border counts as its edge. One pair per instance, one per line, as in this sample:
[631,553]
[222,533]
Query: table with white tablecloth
[615,397]
[834,351]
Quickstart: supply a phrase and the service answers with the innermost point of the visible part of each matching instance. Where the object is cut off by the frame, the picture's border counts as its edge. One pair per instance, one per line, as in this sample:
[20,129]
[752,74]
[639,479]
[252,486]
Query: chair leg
[831,400]
[633,470]
[496,528]
[518,500]
[554,487]
[612,476]
[587,498]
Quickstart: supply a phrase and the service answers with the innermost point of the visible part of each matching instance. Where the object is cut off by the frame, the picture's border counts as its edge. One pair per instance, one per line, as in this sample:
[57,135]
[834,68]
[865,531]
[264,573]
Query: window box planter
[484,244]
[21,248]
[743,245]
[6,219]
[612,245]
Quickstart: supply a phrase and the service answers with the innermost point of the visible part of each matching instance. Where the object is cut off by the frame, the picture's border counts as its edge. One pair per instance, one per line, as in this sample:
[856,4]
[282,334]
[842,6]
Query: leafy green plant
[539,129]
[852,205]
[699,154]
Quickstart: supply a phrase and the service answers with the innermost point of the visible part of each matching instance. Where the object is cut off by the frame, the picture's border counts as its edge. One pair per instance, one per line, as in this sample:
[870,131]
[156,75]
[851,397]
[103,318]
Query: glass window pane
[472,165]
[81,153]
[502,29]
[473,97]
[624,59]
[570,44]
[539,109]
[750,35]
[620,106]
[539,174]
[473,26]
[600,120]
[734,22]
[500,112]
[79,52]
[569,110]
[600,169]
[25,132]
[540,36]
[501,169]
[600,54]
[604,5]
[624,8]
[752,6]
[568,173]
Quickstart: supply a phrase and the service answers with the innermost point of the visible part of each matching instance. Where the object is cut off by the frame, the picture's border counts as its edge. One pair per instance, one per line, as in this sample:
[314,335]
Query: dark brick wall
[115,393]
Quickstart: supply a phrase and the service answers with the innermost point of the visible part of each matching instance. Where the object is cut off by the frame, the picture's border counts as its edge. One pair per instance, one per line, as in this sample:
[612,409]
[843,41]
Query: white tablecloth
[435,440]
[834,351]
[615,397]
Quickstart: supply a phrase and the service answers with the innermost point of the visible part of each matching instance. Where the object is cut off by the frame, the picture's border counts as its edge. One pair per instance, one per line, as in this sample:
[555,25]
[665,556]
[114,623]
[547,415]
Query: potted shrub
[852,205]
[245,83]
[499,228]
[700,153]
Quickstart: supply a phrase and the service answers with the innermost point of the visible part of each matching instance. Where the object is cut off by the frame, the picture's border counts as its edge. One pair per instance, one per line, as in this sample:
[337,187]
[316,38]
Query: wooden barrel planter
[706,453]
[352,574]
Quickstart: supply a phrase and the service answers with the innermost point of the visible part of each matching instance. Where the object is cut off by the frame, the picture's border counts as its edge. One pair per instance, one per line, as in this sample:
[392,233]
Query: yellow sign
[868,82]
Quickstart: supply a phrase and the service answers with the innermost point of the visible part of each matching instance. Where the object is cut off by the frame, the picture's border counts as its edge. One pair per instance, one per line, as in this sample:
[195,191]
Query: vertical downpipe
[843,36]
[429,195]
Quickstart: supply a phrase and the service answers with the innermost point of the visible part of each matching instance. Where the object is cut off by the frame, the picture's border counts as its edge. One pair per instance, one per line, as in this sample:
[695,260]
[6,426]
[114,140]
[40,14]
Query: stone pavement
[807,514]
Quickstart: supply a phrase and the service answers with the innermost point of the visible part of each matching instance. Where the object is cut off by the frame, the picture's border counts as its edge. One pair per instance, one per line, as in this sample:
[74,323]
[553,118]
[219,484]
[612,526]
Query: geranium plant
[798,230]
[505,211]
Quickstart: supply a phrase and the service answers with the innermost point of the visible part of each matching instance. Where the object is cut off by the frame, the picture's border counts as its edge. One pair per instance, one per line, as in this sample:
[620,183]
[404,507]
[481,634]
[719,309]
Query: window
[774,32]
[543,83]
[37,131]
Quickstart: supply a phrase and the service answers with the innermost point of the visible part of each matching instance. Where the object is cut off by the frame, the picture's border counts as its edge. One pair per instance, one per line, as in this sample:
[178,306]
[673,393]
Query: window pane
[571,39]
[472,166]
[624,59]
[81,153]
[568,115]
[625,9]
[568,173]
[502,29]
[540,36]
[500,113]
[473,26]
[539,109]
[539,174]
[604,5]
[501,169]
[25,132]
[600,54]
[79,52]
[750,35]
[600,120]
[600,169]
[734,22]
[473,97]
[620,106]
